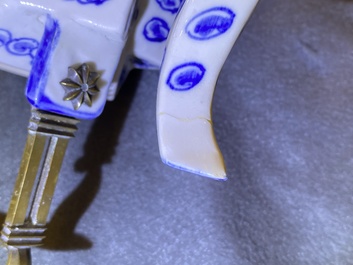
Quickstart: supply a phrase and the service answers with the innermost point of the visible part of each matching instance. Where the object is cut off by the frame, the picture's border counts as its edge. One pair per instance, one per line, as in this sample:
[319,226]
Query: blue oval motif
[210,23]
[156,30]
[170,5]
[186,76]
[22,46]
[96,2]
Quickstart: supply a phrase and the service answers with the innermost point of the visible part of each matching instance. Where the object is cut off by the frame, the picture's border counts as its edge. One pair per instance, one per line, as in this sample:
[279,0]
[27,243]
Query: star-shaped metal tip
[80,86]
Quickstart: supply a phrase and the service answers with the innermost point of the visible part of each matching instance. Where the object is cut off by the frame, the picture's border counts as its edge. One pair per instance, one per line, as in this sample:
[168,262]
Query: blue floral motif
[156,30]
[170,5]
[5,37]
[22,47]
[18,46]
[96,2]
[186,76]
[210,23]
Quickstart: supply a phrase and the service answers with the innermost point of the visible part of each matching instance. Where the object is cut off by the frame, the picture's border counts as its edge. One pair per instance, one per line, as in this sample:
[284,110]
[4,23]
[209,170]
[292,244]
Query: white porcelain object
[43,39]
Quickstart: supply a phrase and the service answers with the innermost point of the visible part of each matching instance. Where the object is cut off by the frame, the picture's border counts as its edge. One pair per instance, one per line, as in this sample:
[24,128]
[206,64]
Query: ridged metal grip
[24,227]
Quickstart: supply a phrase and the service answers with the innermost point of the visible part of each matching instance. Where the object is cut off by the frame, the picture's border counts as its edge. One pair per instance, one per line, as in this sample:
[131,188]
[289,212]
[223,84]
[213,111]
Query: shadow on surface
[98,150]
[2,217]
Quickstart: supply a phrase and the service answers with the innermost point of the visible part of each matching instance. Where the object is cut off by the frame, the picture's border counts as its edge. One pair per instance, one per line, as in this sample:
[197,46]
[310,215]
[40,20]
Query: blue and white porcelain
[189,41]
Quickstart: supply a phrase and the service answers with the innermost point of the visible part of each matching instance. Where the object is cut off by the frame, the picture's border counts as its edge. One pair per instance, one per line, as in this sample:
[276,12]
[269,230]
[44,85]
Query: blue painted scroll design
[18,46]
[96,2]
[170,5]
[156,30]
[5,37]
[210,23]
[186,76]
[87,2]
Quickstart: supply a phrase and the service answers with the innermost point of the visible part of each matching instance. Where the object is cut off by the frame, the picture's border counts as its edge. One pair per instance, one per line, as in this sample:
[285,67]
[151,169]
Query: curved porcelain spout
[202,37]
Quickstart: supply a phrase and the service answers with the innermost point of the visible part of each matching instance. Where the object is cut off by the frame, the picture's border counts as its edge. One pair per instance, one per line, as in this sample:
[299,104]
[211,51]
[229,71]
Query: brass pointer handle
[24,227]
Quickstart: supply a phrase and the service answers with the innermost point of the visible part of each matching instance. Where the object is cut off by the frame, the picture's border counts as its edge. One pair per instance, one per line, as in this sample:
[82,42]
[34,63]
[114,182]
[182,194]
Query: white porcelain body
[41,39]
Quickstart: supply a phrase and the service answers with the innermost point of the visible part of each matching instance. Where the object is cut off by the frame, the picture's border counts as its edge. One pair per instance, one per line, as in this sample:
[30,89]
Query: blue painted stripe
[48,105]
[39,73]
